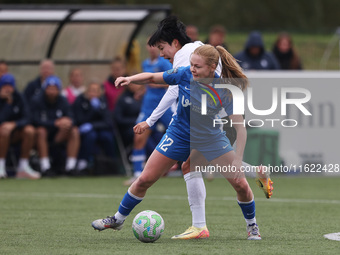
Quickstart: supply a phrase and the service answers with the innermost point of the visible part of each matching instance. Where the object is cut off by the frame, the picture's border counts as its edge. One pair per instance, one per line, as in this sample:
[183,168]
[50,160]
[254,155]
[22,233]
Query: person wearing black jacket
[14,128]
[52,117]
[126,112]
[254,56]
[93,118]
[33,88]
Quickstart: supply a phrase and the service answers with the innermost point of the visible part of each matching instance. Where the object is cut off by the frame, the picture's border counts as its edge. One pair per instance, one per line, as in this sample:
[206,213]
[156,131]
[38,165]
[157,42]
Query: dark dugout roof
[52,21]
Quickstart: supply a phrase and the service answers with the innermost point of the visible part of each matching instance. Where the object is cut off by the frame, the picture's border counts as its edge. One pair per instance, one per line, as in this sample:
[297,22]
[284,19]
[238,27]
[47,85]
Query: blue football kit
[190,129]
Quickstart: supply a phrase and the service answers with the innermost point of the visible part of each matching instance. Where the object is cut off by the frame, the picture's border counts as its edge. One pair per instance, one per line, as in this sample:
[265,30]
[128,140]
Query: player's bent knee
[241,186]
[139,141]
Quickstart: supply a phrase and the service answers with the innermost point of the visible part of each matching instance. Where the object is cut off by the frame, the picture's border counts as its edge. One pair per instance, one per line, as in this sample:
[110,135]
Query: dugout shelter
[86,36]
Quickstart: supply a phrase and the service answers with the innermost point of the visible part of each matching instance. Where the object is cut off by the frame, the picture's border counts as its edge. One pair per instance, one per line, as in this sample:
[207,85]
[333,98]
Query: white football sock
[120,217]
[249,170]
[2,163]
[196,196]
[23,164]
[137,174]
[82,164]
[70,163]
[45,164]
[250,221]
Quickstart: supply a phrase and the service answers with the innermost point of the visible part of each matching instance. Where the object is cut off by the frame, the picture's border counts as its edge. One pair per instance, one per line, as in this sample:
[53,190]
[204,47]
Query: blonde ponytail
[231,70]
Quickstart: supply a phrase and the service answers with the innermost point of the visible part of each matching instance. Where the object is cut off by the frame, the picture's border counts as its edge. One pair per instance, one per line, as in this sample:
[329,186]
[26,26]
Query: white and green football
[148,226]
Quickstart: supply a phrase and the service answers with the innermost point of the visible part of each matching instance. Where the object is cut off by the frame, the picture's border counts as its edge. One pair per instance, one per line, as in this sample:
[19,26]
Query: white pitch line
[164,197]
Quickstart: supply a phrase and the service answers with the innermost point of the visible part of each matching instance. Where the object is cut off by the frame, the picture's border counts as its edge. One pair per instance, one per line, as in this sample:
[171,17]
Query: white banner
[304,107]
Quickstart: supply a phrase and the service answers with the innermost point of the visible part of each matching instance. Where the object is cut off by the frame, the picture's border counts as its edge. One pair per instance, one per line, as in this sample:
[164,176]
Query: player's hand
[122,81]
[141,127]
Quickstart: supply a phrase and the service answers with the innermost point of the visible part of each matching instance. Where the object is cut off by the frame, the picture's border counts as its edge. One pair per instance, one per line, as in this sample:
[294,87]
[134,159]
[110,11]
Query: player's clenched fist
[122,81]
[140,127]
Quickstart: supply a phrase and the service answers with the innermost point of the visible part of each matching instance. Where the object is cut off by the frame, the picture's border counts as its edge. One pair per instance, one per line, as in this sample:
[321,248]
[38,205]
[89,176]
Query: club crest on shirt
[185,101]
[171,71]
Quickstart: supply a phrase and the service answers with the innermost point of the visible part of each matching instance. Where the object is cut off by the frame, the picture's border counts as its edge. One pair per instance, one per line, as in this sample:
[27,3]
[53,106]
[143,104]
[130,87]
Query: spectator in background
[127,111]
[34,87]
[192,32]
[75,87]
[15,128]
[3,67]
[216,36]
[118,68]
[254,56]
[52,117]
[285,53]
[152,97]
[95,124]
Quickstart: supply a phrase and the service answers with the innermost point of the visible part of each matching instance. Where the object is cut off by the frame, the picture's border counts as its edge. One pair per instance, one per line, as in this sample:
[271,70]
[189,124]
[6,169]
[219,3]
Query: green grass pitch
[53,216]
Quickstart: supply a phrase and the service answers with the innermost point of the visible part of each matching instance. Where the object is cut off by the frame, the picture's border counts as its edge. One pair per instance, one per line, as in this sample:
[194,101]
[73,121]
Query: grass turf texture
[53,216]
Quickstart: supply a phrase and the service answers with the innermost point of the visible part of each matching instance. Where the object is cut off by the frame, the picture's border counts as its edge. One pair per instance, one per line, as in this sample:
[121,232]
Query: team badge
[171,71]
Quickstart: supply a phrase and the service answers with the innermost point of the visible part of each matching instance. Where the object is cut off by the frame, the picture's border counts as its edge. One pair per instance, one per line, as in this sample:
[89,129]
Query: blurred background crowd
[49,118]
[50,125]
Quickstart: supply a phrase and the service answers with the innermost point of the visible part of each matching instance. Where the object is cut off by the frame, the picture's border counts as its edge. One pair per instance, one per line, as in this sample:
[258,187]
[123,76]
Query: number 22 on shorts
[166,143]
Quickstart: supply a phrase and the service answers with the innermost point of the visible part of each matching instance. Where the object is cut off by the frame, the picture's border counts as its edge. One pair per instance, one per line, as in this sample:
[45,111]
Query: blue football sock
[138,158]
[248,210]
[128,203]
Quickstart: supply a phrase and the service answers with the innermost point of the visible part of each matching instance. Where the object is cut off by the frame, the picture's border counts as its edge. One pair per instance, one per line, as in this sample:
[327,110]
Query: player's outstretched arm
[141,78]
[168,99]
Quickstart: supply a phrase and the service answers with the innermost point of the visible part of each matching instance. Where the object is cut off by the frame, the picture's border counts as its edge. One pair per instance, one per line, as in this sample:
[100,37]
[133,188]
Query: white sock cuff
[134,196]
[137,173]
[136,158]
[45,163]
[70,163]
[192,175]
[2,162]
[245,202]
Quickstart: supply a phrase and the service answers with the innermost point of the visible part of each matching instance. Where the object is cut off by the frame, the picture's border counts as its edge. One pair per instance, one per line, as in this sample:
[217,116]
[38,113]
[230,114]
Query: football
[148,226]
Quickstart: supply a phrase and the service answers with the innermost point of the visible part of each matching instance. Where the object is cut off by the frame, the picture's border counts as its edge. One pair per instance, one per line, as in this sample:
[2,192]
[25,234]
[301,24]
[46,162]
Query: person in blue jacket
[254,56]
[15,128]
[152,97]
[92,116]
[53,118]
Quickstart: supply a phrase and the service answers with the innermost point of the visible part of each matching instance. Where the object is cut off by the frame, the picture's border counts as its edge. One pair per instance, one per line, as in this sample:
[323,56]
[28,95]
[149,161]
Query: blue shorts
[214,148]
[174,147]
[178,149]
